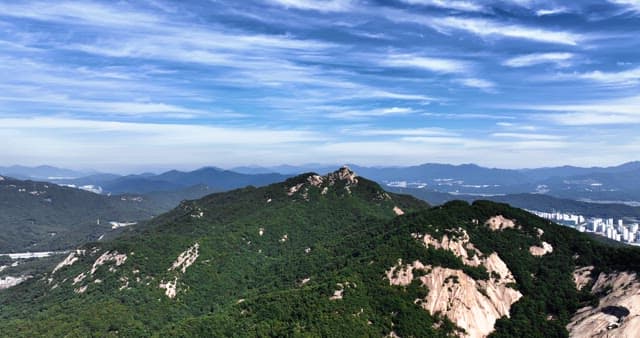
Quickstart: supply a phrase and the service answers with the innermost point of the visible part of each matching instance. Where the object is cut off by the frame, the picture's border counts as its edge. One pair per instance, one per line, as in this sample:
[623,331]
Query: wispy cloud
[438,65]
[457,67]
[632,5]
[68,12]
[625,77]
[515,126]
[552,11]
[470,116]
[368,131]
[316,5]
[465,6]
[598,112]
[297,75]
[559,59]
[355,114]
[528,136]
[489,28]
[478,83]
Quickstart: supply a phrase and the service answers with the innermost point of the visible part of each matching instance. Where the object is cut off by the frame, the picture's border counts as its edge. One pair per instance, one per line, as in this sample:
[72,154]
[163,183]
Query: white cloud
[528,136]
[513,126]
[560,59]
[477,83]
[601,112]
[594,118]
[470,116]
[633,5]
[438,65]
[160,134]
[317,5]
[488,28]
[351,114]
[627,105]
[86,13]
[466,6]
[626,77]
[368,131]
[552,11]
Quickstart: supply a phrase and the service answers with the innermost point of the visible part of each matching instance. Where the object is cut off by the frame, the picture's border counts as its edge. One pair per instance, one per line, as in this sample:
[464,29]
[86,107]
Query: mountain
[284,169]
[174,180]
[40,172]
[601,184]
[469,173]
[42,216]
[138,185]
[539,202]
[218,178]
[616,183]
[331,256]
[567,171]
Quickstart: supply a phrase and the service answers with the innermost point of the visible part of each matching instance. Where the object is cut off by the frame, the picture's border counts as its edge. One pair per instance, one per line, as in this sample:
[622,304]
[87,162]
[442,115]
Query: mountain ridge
[287,259]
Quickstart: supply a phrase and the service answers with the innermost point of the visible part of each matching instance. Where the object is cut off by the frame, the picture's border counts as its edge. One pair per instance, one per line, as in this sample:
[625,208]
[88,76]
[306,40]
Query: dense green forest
[271,260]
[39,216]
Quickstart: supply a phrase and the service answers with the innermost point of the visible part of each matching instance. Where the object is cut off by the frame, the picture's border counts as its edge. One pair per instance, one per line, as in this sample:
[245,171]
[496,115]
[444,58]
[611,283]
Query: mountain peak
[344,174]
[341,182]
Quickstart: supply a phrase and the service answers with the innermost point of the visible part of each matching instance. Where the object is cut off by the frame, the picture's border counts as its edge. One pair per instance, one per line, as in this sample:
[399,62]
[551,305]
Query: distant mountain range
[618,183]
[44,172]
[435,183]
[216,179]
[538,202]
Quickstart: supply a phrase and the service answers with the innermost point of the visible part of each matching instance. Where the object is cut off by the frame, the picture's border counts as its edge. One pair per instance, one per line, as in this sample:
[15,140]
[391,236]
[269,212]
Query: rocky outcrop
[499,222]
[339,293]
[343,174]
[473,305]
[315,180]
[402,275]
[582,276]
[346,176]
[180,265]
[10,281]
[116,257]
[541,250]
[186,259]
[170,287]
[617,313]
[295,189]
[457,242]
[398,211]
[72,258]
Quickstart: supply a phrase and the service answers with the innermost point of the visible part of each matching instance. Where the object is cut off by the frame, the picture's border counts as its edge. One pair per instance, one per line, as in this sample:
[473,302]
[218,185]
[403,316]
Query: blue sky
[133,85]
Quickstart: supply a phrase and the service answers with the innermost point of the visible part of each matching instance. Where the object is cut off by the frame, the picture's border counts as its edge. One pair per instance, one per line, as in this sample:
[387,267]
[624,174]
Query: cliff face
[473,305]
[618,311]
